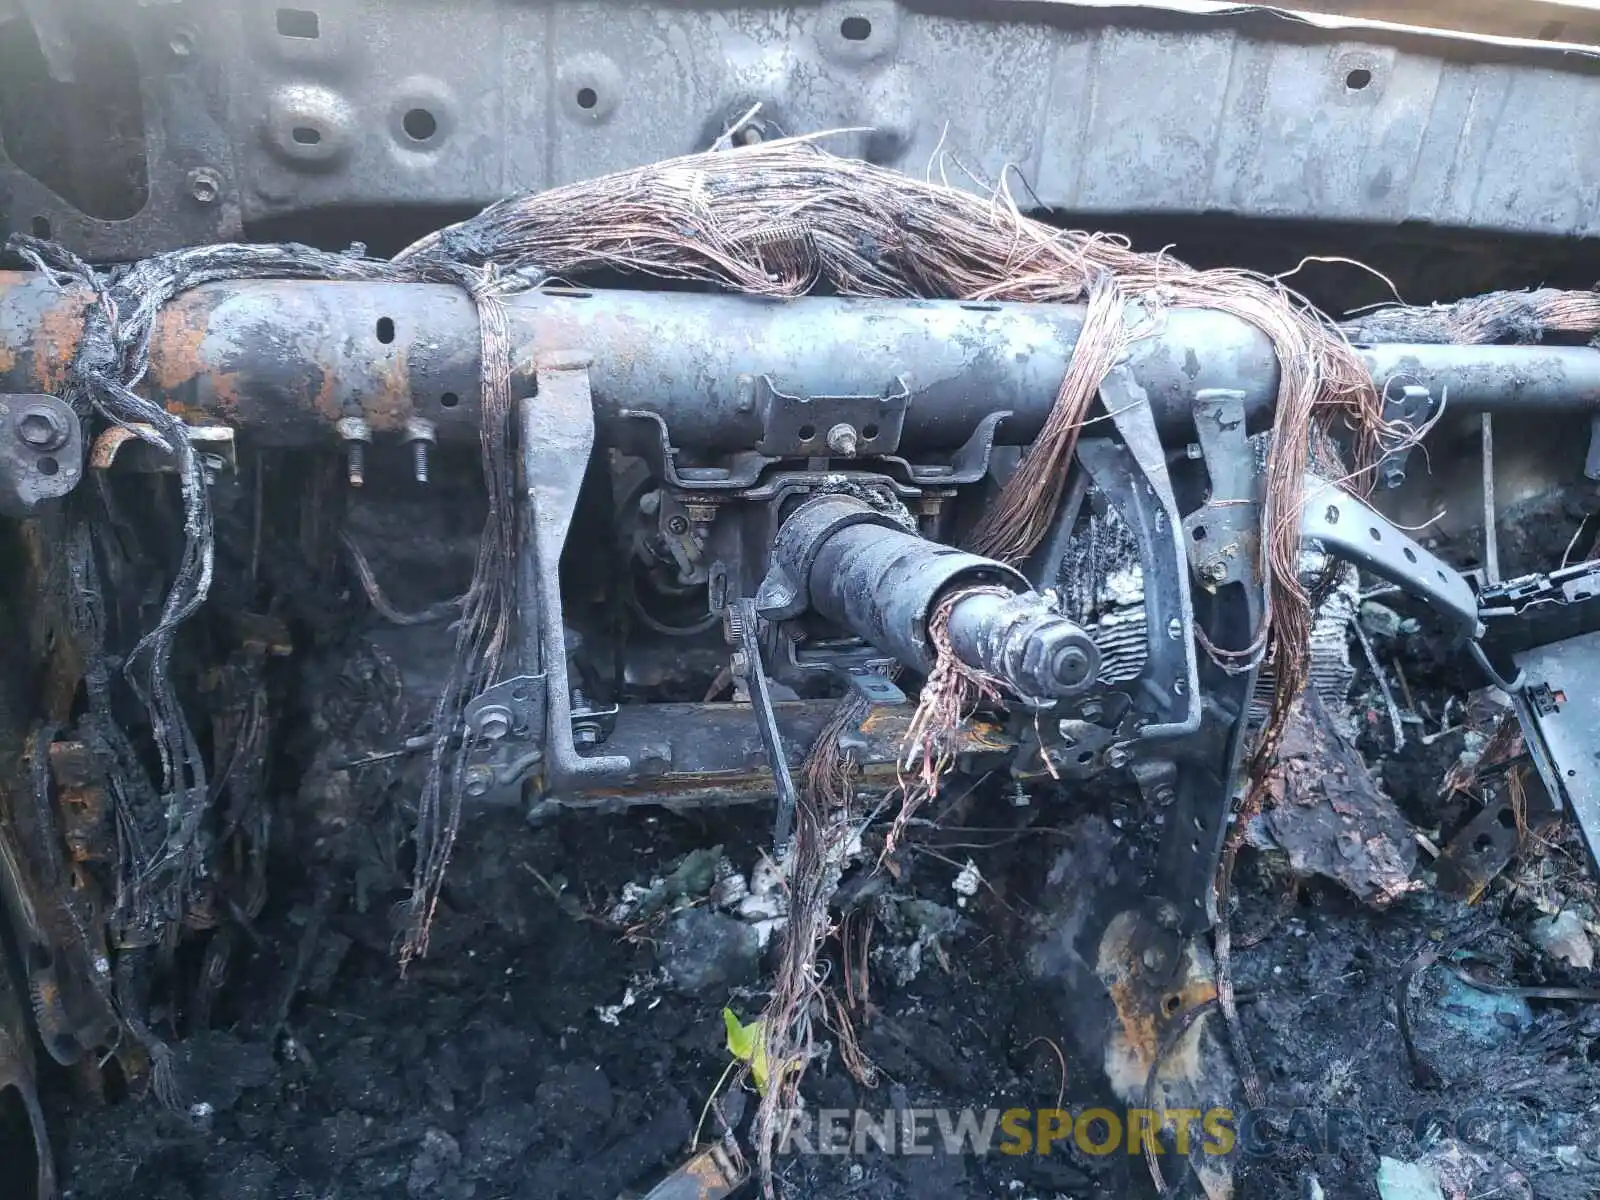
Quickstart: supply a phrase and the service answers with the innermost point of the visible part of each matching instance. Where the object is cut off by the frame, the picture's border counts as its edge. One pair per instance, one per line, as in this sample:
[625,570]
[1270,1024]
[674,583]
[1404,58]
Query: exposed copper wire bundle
[824,828]
[1020,516]
[785,218]
[876,232]
[1513,317]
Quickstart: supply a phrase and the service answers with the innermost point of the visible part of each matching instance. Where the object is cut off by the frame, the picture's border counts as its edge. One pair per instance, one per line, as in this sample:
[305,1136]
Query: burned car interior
[586,585]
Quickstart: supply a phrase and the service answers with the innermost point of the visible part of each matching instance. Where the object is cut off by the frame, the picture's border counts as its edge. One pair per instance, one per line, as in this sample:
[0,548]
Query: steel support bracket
[748,664]
[1352,529]
[1133,476]
[41,452]
[556,429]
[829,426]
[1224,536]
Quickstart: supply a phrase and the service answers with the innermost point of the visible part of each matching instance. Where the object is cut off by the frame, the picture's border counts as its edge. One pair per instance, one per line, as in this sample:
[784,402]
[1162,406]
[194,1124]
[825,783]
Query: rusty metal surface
[287,360]
[692,755]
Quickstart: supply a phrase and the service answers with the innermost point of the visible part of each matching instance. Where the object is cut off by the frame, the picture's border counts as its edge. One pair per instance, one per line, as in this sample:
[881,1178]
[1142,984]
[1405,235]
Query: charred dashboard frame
[783,480]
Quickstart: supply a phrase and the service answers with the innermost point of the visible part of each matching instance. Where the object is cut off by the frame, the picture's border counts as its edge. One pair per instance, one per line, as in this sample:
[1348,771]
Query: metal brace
[557,431]
[830,426]
[1224,536]
[747,663]
[41,452]
[880,692]
[968,464]
[508,711]
[1350,528]
[1411,404]
[1134,477]
[1224,540]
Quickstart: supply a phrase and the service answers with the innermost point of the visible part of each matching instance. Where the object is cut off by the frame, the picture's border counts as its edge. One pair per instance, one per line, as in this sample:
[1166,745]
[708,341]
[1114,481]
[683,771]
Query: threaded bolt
[420,433]
[355,433]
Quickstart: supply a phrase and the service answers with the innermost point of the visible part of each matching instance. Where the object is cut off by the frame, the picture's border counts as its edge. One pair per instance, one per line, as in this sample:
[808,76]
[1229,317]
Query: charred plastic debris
[909,517]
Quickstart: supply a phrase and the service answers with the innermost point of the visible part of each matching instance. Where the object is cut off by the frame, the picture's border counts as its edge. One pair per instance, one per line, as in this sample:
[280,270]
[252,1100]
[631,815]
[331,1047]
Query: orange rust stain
[230,391]
[104,451]
[885,720]
[84,829]
[177,344]
[325,401]
[388,409]
[56,337]
[1141,1023]
[46,994]
[893,721]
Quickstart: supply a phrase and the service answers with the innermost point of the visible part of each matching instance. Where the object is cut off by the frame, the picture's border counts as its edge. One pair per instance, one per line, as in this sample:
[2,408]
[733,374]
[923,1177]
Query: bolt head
[494,722]
[1216,570]
[205,185]
[42,428]
[477,782]
[677,524]
[1116,758]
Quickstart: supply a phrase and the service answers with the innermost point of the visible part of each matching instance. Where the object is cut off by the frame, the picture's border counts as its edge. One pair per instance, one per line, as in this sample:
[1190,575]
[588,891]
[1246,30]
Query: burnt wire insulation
[487,619]
[158,820]
[825,827]
[778,219]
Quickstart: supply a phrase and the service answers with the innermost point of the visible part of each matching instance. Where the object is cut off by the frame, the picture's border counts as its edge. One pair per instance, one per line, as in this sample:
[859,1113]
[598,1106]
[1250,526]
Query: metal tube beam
[285,361]
[1493,379]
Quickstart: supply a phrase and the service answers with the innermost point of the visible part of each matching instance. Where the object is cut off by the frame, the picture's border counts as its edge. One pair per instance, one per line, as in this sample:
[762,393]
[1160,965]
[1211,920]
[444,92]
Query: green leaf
[748,1043]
